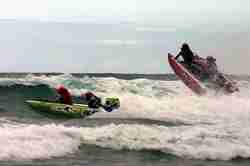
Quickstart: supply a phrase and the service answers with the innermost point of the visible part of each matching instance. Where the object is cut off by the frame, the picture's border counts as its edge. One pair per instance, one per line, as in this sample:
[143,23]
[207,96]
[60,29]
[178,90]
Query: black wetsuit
[94,102]
[187,56]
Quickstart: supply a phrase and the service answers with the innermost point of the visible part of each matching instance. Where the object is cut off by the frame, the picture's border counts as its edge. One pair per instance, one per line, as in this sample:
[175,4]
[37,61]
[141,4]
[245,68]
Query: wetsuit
[94,102]
[187,56]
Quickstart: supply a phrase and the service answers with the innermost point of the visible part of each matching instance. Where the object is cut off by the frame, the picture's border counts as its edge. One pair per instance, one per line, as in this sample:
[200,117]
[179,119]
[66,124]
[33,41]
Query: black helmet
[185,46]
[211,59]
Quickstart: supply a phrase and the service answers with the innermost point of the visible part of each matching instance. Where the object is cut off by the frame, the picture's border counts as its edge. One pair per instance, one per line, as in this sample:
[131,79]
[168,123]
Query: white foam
[218,125]
[24,142]
[221,142]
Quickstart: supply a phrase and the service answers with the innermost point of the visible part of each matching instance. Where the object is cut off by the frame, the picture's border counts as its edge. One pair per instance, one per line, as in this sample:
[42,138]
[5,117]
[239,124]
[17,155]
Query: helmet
[61,89]
[87,95]
[185,46]
[211,59]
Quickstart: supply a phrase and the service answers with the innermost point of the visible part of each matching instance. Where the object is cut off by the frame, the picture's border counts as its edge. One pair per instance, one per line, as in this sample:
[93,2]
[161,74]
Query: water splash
[217,126]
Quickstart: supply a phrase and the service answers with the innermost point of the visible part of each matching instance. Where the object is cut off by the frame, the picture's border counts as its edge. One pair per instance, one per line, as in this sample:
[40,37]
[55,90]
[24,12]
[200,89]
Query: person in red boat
[64,95]
[203,68]
[186,53]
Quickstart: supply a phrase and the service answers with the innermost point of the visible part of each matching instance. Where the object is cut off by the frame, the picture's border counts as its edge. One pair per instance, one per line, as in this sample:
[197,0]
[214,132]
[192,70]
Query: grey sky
[141,30]
[128,9]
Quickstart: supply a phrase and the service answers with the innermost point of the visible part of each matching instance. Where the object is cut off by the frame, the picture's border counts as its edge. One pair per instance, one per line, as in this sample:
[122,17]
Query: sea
[160,122]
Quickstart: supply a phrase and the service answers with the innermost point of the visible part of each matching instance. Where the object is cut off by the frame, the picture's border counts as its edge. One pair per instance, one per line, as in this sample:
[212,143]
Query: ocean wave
[216,126]
[214,142]
[26,142]
[200,141]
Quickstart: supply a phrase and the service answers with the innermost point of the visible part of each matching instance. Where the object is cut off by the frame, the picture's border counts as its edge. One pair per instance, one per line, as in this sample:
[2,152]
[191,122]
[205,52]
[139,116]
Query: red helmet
[87,95]
[61,90]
